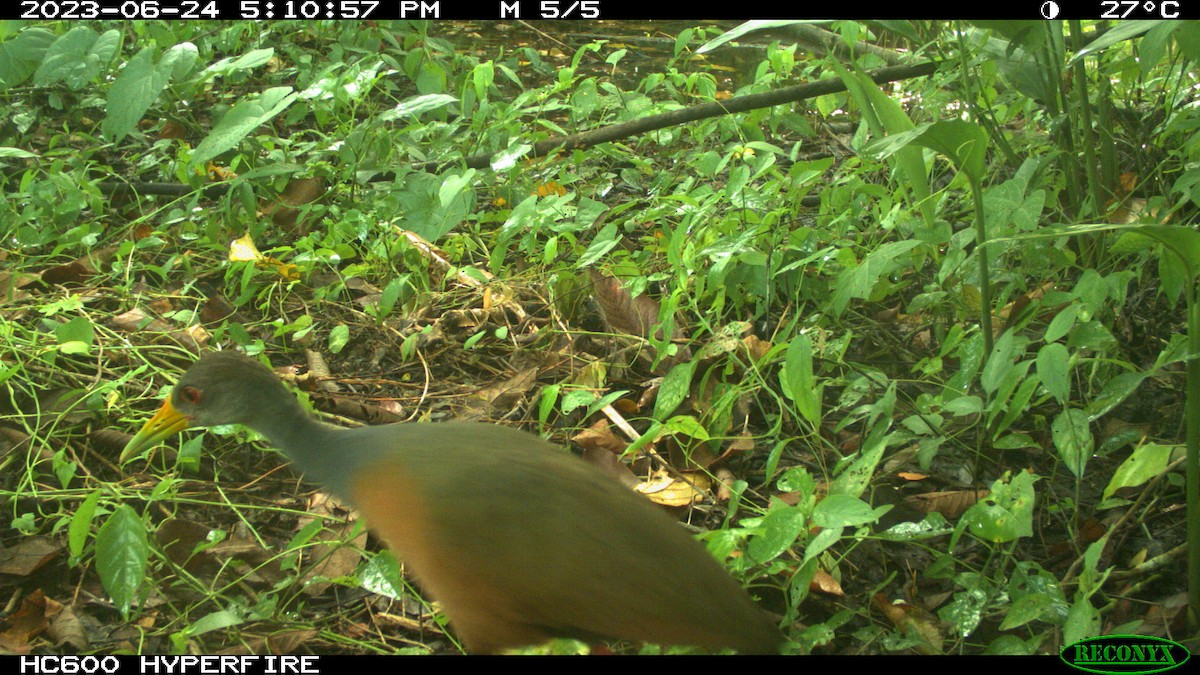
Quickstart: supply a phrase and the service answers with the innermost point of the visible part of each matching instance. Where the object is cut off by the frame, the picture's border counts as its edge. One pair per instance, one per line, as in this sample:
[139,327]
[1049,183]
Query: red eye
[190,395]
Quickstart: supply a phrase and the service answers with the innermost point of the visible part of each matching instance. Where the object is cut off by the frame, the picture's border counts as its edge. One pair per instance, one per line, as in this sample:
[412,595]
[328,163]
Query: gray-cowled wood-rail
[520,541]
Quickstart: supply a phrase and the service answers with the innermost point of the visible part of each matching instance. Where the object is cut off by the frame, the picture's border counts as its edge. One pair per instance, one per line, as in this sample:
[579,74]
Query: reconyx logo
[1124,654]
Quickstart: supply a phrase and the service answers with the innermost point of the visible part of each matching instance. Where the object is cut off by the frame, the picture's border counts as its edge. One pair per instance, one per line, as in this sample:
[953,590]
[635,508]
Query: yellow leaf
[244,250]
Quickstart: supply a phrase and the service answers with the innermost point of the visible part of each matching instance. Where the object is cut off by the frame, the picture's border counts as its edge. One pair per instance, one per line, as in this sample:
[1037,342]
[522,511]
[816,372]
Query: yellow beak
[166,423]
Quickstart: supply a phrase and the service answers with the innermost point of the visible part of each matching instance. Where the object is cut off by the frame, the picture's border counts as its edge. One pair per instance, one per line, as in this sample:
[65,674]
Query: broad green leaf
[1052,367]
[418,105]
[381,574]
[745,29]
[81,524]
[1062,322]
[1115,391]
[998,364]
[855,479]
[1120,32]
[77,57]
[251,59]
[843,511]
[674,389]
[798,381]
[121,554]
[241,120]
[780,528]
[1073,439]
[17,153]
[214,621]
[1147,461]
[339,337]
[136,89]
[1006,514]
[21,56]
[859,281]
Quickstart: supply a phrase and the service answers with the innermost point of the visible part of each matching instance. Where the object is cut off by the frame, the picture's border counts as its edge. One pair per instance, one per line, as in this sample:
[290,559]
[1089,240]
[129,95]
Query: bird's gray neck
[313,446]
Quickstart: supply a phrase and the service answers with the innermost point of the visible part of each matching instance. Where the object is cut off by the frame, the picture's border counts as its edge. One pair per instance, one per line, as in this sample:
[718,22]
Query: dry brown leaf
[887,315]
[13,439]
[80,269]
[12,283]
[340,560]
[27,555]
[603,449]
[725,478]
[283,642]
[216,309]
[823,582]
[949,503]
[505,395]
[913,622]
[28,622]
[284,210]
[599,437]
[756,347]
[179,538]
[318,368]
[65,626]
[172,130]
[742,443]
[382,412]
[620,311]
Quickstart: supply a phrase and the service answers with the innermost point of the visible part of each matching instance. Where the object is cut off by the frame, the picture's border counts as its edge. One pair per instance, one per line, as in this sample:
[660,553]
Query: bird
[518,540]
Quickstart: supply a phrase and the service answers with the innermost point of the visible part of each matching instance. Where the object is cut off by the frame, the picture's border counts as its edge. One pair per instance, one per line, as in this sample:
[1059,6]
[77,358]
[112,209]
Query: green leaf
[1073,439]
[779,529]
[1120,32]
[1007,513]
[339,337]
[855,479]
[81,524]
[1083,621]
[132,94]
[687,425]
[251,59]
[604,241]
[1115,391]
[425,213]
[674,389]
[418,105]
[215,621]
[859,281]
[843,511]
[745,29]
[885,115]
[241,120]
[77,57]
[821,543]
[1052,367]
[1146,462]
[121,554]
[381,574]
[17,153]
[453,186]
[1062,322]
[798,381]
[179,61]
[998,364]
[21,56]
[79,329]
